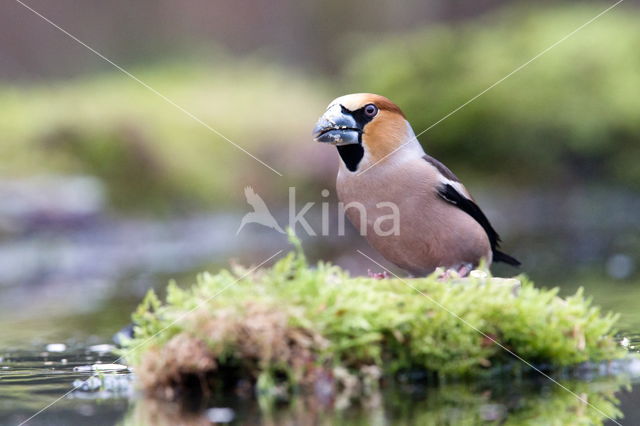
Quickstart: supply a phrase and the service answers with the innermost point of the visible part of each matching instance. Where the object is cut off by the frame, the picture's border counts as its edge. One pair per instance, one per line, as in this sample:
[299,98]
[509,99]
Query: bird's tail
[499,256]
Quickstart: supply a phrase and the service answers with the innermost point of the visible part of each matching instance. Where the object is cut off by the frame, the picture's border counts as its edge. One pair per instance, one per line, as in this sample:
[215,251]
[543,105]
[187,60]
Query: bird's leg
[378,275]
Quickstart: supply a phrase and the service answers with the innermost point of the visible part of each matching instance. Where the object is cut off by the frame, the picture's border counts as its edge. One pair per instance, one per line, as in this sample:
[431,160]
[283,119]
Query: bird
[260,214]
[382,164]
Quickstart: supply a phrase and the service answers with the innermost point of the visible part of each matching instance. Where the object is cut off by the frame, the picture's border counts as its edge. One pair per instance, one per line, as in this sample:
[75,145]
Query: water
[32,380]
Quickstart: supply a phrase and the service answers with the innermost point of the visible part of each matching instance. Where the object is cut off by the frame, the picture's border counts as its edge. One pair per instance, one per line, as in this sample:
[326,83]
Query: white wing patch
[456,185]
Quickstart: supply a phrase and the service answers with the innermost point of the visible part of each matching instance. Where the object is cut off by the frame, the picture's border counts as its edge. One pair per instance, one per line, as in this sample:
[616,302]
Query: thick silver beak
[337,128]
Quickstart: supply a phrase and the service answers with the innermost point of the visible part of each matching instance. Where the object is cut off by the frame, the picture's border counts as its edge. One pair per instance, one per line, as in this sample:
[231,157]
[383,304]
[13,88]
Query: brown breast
[429,232]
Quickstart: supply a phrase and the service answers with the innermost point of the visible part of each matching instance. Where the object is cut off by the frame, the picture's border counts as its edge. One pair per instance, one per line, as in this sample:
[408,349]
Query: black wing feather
[444,170]
[451,195]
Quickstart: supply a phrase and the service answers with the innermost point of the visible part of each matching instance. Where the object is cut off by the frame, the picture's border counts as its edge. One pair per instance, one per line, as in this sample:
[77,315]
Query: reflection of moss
[514,404]
[569,114]
[292,324]
[522,404]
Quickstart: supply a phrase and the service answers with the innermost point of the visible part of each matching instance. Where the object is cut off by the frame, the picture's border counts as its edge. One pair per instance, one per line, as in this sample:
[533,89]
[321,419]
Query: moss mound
[293,325]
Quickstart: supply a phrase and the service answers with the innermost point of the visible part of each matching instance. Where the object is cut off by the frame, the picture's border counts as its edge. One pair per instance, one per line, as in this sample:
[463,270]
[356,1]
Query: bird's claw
[378,275]
[460,271]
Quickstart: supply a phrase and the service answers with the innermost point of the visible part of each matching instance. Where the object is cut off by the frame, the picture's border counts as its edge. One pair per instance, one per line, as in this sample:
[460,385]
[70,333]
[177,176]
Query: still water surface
[31,380]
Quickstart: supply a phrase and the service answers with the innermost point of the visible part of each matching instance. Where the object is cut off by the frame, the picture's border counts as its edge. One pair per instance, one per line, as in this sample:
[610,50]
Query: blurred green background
[106,184]
[107,189]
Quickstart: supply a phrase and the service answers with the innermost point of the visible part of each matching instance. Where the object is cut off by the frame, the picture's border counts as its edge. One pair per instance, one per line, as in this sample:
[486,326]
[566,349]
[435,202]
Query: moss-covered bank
[293,324]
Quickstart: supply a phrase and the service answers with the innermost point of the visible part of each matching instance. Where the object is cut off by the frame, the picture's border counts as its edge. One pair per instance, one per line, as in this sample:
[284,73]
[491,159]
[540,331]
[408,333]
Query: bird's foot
[378,275]
[464,269]
[460,271]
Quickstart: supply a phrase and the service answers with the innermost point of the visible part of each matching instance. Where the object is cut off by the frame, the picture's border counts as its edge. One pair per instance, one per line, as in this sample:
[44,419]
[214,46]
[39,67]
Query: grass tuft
[292,324]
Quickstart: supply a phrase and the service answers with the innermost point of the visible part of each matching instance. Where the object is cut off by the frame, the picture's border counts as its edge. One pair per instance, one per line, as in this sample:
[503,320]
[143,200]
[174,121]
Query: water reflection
[33,379]
[460,404]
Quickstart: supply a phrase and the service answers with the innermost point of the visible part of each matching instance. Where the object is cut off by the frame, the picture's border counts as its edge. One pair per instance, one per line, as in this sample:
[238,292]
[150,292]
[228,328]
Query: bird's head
[365,128]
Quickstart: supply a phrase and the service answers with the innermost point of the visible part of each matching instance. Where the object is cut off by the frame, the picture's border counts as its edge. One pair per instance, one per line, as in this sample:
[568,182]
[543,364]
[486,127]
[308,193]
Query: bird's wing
[254,199]
[448,175]
[444,170]
[453,192]
[448,193]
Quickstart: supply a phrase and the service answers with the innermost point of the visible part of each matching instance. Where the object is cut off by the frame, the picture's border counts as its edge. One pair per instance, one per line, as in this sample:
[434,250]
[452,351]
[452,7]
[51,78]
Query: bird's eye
[370,110]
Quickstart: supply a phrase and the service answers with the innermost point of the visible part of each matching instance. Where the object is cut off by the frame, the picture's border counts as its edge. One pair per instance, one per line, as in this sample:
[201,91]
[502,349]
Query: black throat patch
[351,155]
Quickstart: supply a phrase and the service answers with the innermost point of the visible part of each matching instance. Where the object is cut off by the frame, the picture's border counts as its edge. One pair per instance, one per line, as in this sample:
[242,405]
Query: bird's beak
[337,128]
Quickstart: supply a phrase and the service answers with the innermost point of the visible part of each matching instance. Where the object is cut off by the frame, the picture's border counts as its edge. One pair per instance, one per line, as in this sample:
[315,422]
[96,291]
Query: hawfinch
[382,165]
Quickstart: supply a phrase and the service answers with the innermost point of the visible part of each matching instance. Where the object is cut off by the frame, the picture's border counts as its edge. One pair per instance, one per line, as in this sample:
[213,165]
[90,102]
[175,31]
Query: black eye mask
[352,154]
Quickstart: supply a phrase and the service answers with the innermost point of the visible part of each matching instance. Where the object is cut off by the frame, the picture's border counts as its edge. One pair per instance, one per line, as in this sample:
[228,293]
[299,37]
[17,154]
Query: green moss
[290,322]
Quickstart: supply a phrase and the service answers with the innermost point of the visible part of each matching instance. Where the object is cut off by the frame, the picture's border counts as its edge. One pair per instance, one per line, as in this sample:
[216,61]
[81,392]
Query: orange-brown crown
[356,101]
[387,131]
